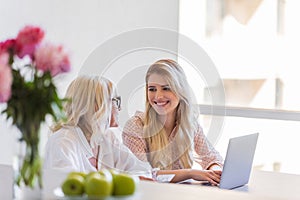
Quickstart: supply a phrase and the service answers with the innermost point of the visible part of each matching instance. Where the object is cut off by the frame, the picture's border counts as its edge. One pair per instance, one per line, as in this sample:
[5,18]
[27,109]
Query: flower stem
[31,168]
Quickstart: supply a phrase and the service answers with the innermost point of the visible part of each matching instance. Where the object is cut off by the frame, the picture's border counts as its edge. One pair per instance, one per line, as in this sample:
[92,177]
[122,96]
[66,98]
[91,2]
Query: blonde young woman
[168,133]
[85,141]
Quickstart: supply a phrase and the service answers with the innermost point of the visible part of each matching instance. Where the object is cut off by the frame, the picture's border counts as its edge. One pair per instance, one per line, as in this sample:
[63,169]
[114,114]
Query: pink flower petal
[51,58]
[27,40]
[5,83]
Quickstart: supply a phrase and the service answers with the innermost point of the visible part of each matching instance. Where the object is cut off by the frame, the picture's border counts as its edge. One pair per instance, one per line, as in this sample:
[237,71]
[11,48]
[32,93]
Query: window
[254,46]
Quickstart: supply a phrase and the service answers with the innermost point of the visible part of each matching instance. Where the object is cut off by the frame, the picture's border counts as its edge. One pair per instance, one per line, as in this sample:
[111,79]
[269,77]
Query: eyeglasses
[118,101]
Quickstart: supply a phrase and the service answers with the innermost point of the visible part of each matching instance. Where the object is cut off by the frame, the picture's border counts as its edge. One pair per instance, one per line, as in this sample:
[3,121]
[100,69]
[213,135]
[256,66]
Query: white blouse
[68,150]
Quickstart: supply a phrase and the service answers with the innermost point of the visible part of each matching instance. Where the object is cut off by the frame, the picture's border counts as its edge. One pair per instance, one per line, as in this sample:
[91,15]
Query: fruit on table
[124,184]
[73,185]
[78,173]
[98,184]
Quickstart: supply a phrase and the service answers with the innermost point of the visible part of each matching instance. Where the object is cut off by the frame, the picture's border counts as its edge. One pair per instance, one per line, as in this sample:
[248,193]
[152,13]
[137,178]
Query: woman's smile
[160,96]
[161,103]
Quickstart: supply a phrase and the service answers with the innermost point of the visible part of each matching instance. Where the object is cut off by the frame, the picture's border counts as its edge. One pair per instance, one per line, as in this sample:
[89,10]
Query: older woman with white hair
[85,141]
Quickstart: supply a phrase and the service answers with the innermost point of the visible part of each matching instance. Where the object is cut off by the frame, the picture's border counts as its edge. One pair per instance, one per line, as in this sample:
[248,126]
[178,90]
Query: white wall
[80,26]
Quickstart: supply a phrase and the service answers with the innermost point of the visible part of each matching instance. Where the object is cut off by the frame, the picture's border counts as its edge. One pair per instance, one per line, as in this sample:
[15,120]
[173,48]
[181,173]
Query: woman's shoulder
[64,133]
[64,140]
[137,119]
[198,130]
[139,115]
[135,123]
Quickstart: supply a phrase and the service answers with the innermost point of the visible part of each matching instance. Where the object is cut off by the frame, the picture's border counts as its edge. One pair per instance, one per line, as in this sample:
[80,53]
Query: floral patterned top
[204,153]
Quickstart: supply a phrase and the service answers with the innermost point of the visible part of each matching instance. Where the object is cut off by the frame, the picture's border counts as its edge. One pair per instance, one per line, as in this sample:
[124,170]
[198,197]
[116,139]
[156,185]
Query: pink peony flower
[52,58]
[8,46]
[27,40]
[5,78]
[30,94]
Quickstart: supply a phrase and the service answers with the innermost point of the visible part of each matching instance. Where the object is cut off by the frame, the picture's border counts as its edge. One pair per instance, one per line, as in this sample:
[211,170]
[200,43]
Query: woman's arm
[206,155]
[124,159]
[132,138]
[200,175]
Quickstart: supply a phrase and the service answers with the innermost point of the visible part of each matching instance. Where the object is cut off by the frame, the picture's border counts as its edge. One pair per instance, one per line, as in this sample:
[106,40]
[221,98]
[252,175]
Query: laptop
[238,161]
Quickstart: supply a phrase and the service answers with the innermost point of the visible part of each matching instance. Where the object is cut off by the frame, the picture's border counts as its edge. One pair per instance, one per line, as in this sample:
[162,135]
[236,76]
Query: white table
[274,184]
[262,185]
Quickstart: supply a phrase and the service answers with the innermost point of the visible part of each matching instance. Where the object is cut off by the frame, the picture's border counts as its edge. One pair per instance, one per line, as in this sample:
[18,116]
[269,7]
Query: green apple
[73,185]
[98,184]
[83,174]
[90,174]
[124,184]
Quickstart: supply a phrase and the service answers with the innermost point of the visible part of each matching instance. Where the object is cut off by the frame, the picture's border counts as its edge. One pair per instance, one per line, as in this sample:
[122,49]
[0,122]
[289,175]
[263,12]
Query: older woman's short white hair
[89,103]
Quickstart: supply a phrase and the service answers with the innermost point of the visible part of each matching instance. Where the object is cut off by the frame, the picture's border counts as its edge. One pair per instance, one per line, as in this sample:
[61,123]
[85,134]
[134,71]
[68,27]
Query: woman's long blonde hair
[162,152]
[89,105]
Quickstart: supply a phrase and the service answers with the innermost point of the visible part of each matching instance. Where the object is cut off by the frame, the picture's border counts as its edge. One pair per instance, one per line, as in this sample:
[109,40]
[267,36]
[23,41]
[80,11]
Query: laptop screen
[238,162]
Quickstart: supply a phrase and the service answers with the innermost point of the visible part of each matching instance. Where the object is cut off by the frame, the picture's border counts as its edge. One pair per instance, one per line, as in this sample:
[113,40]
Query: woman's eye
[166,88]
[151,89]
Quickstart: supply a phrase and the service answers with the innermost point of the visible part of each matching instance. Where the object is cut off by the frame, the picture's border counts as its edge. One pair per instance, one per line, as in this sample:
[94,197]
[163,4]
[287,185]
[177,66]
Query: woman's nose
[159,94]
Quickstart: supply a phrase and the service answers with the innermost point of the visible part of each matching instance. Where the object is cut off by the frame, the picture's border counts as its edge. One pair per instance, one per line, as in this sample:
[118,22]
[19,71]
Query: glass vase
[28,175]
[23,192]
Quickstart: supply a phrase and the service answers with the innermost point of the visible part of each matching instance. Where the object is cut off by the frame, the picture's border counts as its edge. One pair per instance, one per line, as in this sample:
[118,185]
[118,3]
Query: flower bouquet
[27,68]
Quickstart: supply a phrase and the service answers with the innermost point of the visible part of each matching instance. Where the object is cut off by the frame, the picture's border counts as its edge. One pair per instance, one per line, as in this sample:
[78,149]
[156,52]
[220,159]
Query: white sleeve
[125,160]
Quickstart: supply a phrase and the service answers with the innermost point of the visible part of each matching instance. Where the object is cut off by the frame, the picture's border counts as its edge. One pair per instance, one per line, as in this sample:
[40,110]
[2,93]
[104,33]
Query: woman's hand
[212,176]
[143,178]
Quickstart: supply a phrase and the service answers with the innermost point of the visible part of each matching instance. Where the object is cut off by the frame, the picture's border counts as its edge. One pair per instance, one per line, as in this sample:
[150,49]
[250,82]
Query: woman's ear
[114,117]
